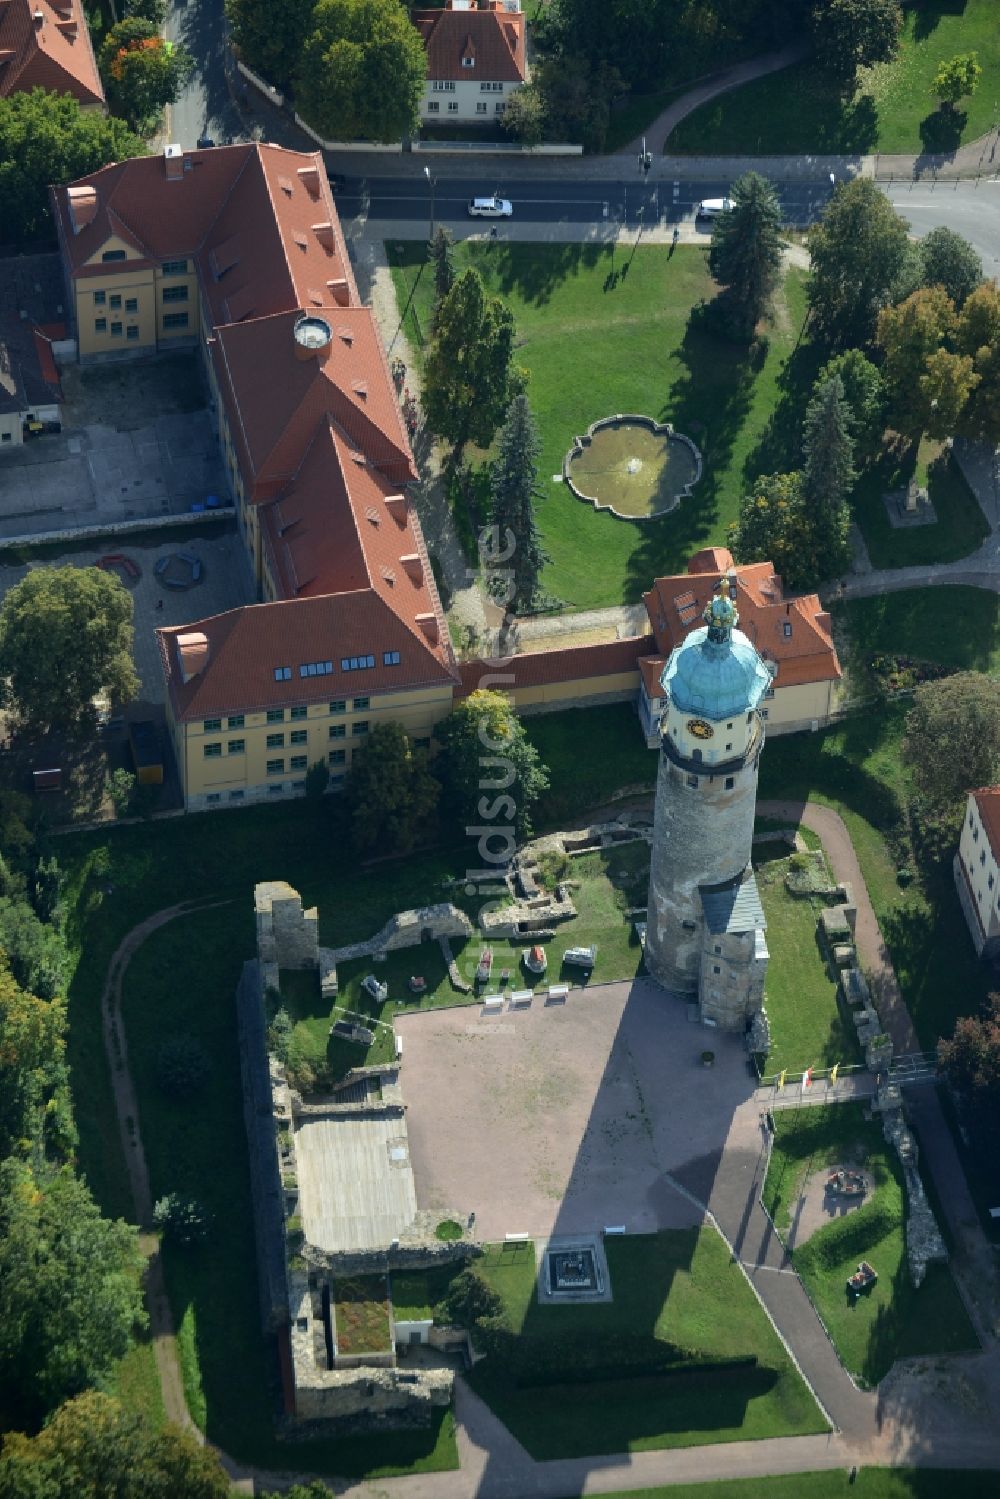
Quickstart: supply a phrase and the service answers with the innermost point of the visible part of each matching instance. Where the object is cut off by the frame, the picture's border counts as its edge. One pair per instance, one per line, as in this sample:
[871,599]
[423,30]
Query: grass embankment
[678,1288]
[182,980]
[892,1320]
[808,1025]
[893,108]
[603,330]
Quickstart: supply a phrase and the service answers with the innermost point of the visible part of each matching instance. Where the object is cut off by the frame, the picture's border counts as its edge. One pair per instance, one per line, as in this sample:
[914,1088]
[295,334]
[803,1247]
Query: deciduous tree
[391,793]
[957,77]
[970,1061]
[861,262]
[945,387]
[865,397]
[978,335]
[490,772]
[777,525]
[34,1080]
[513,535]
[362,71]
[909,334]
[745,257]
[953,738]
[79,617]
[69,1288]
[93,1448]
[950,261]
[141,70]
[469,378]
[853,34]
[525,117]
[47,138]
[576,94]
[269,35]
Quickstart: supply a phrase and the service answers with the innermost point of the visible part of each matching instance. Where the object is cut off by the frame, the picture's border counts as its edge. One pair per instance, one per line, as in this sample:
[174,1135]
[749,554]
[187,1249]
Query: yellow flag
[781,1078]
[833,1072]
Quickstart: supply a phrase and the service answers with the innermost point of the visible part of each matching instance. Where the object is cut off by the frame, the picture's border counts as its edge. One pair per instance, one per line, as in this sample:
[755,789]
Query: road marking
[774,1269]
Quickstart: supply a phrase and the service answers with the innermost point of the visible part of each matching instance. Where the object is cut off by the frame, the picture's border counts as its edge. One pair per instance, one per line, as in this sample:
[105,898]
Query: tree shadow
[927,16]
[519,268]
[779,449]
[941,130]
[709,400]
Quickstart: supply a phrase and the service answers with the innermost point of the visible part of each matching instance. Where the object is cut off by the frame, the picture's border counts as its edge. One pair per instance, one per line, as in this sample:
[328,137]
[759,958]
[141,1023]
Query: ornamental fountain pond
[636,468]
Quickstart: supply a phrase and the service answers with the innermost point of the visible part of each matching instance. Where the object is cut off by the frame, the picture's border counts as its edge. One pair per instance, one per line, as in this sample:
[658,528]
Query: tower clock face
[699,728]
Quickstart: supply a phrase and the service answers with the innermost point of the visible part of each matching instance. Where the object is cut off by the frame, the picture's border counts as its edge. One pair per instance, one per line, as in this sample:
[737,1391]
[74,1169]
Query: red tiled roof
[651,669]
[56,54]
[987,799]
[494,39]
[546,668]
[277,400]
[806,654]
[245,646]
[711,560]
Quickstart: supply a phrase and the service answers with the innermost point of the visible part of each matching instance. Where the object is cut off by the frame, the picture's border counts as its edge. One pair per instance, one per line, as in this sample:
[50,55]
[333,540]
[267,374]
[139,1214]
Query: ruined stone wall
[287,936]
[731,996]
[408,929]
[417,1254]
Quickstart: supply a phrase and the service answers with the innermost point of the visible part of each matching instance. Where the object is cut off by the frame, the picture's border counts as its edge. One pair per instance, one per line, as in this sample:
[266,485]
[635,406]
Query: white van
[710,208]
[490,208]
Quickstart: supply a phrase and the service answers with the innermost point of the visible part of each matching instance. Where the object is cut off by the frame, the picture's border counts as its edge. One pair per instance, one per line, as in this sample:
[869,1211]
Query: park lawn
[135,1381]
[361,1309]
[893,109]
[680,1287]
[836,1483]
[808,1025]
[183,980]
[960,528]
[892,1320]
[593,754]
[594,344]
[953,626]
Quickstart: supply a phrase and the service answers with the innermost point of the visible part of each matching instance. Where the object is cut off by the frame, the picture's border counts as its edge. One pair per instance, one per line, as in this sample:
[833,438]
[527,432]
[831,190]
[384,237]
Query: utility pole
[432,183]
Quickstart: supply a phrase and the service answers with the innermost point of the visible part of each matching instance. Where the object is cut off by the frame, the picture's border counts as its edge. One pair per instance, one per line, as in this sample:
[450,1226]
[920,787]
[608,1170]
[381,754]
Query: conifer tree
[441,252]
[828,473]
[515,489]
[745,257]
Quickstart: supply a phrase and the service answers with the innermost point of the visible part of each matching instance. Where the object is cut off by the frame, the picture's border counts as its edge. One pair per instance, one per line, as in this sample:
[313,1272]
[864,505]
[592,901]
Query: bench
[520,999]
[492,1003]
[557,994]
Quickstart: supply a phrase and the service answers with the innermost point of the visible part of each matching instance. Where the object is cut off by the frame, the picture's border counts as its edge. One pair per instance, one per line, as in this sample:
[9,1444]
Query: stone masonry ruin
[333,1189]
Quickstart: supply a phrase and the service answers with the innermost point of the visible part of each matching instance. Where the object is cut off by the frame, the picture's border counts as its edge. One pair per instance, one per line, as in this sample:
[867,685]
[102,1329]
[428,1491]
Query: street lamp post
[431,183]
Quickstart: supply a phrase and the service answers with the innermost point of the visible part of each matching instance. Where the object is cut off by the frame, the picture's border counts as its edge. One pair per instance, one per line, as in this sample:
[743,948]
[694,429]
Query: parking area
[223,582]
[571,1115]
[137,441]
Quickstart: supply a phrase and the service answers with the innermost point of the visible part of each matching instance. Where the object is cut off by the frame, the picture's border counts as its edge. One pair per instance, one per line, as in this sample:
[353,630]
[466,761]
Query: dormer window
[786,629]
[468,62]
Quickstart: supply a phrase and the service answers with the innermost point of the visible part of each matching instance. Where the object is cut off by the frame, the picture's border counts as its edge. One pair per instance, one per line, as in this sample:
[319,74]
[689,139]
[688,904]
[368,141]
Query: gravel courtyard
[565,1118]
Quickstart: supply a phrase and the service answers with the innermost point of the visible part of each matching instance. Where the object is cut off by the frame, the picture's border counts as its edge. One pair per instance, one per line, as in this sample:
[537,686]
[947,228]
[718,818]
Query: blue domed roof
[715,678]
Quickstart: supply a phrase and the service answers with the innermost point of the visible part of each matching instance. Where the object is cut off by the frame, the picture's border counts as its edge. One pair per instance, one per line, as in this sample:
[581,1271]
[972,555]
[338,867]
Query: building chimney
[68,29]
[428,623]
[338,289]
[396,505]
[39,19]
[309,177]
[82,202]
[324,233]
[192,654]
[414,567]
[312,337]
[173,162]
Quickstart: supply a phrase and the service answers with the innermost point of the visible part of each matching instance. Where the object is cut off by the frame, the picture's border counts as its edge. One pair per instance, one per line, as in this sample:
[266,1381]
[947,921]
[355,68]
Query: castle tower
[705,924]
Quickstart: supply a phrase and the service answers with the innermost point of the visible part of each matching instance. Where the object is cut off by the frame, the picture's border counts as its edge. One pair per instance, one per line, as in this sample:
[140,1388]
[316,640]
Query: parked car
[205,142]
[710,208]
[490,208]
[376,991]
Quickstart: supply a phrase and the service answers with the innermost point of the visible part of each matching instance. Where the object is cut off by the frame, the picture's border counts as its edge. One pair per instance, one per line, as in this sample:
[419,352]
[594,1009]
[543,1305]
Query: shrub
[182,1066]
[181,1219]
[448,1230]
[470,1299]
[279,1034]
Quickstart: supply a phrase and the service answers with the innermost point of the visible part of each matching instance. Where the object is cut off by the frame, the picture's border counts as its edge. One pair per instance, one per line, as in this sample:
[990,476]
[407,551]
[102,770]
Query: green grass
[646,336]
[361,1309]
[954,626]
[808,1026]
[593,753]
[960,528]
[871,1483]
[893,109]
[183,980]
[679,1287]
[135,1381]
[892,1320]
[415,1293]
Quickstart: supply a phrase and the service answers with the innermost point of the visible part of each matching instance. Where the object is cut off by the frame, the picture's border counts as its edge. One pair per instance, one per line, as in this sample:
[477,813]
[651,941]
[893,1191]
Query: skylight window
[316,669]
[356,663]
[390,658]
[282,673]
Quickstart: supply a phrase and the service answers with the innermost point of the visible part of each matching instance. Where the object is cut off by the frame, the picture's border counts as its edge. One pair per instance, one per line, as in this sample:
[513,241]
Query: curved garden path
[911,1421]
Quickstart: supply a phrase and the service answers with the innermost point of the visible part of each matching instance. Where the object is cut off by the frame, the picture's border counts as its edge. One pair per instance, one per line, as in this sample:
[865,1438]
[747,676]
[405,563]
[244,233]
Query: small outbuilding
[147,757]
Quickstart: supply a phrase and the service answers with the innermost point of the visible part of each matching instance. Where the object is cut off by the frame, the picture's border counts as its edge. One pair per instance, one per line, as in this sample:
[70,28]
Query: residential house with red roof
[46,44]
[977,870]
[238,251]
[476,59]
